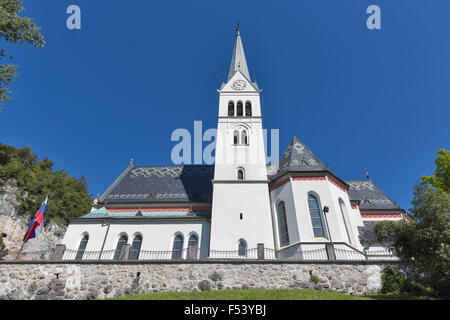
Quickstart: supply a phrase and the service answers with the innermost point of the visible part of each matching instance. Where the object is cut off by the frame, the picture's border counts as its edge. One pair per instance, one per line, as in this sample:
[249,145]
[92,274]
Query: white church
[237,208]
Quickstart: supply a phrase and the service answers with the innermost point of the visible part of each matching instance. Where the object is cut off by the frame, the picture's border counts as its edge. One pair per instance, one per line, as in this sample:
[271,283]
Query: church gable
[239,83]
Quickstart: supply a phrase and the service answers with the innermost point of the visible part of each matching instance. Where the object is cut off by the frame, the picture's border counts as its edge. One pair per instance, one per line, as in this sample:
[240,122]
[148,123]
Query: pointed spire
[238,61]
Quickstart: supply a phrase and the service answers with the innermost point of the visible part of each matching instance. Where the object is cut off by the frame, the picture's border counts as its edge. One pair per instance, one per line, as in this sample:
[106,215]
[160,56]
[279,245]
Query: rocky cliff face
[14,226]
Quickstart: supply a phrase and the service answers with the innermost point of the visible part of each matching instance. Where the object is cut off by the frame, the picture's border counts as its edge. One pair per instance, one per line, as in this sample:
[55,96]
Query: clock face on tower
[239,85]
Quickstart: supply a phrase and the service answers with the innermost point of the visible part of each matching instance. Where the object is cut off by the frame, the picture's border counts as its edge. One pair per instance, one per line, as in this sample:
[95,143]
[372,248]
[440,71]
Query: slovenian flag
[36,224]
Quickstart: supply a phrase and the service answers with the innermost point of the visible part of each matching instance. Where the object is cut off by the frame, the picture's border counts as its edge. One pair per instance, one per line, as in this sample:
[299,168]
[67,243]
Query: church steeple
[238,61]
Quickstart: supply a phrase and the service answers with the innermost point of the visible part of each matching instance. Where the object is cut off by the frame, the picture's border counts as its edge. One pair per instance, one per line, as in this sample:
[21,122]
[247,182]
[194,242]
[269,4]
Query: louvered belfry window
[231,109]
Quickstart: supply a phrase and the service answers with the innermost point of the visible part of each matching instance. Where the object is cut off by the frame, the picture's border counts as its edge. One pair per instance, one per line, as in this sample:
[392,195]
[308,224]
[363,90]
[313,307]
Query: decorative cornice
[139,219]
[313,176]
[386,215]
[164,209]
[240,181]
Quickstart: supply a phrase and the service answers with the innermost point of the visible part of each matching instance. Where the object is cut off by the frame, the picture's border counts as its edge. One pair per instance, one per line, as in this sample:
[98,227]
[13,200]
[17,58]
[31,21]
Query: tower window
[242,248]
[244,137]
[231,109]
[236,137]
[248,109]
[240,109]
[240,174]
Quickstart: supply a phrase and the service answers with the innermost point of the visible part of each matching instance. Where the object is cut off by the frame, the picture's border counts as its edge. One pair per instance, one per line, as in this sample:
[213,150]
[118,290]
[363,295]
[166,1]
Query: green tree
[15,29]
[426,241]
[68,195]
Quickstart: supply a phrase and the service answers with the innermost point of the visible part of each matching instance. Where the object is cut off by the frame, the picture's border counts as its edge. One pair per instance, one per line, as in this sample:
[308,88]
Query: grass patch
[256,294]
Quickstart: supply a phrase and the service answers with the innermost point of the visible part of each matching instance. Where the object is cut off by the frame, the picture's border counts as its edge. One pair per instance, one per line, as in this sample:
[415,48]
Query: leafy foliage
[426,242]
[393,282]
[15,29]
[3,252]
[68,196]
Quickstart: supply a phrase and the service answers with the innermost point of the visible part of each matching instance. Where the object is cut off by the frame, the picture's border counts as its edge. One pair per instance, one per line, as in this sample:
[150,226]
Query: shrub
[314,279]
[394,282]
[3,252]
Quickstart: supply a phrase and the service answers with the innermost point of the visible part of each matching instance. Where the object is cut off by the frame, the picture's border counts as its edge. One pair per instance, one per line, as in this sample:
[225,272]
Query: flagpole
[18,254]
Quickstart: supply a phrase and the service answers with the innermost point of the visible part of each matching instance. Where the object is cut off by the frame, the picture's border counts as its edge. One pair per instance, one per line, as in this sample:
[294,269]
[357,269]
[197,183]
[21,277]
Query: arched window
[123,240]
[82,247]
[345,219]
[244,137]
[236,137]
[231,109]
[177,249]
[192,247]
[135,248]
[242,248]
[316,217]
[240,109]
[248,109]
[240,174]
[282,224]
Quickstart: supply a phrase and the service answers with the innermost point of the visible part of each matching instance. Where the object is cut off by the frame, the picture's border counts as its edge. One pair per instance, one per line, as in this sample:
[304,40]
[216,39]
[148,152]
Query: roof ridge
[116,182]
[178,166]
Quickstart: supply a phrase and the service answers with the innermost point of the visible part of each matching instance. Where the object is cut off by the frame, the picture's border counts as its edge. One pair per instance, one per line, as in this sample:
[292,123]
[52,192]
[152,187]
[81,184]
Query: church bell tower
[241,214]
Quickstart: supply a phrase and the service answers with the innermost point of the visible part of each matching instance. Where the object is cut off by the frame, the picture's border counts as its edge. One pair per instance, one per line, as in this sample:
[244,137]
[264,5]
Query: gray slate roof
[142,184]
[367,233]
[371,197]
[192,183]
[297,157]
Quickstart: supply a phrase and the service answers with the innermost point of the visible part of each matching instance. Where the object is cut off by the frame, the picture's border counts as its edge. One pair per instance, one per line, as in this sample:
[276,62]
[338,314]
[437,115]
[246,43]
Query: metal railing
[308,255]
[320,254]
[28,256]
[381,255]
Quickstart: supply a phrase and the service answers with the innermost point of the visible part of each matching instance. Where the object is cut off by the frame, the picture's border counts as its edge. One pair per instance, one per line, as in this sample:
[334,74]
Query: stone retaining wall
[104,280]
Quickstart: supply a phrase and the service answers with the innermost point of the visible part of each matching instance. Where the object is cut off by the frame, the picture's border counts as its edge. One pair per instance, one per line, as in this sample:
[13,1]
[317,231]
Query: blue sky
[116,89]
